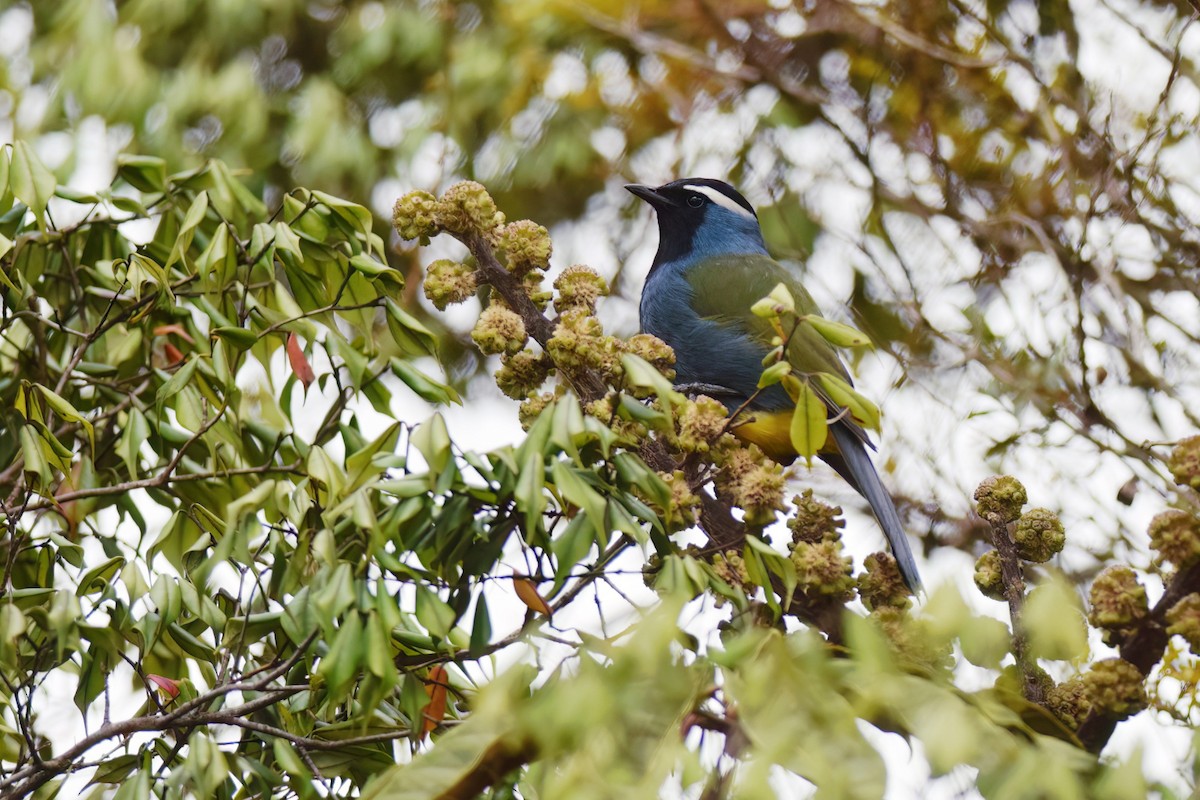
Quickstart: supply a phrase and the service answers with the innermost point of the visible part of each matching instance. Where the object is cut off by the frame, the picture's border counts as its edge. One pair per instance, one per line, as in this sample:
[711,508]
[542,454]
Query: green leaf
[432,440]
[6,245]
[357,218]
[483,738]
[779,301]
[426,387]
[190,644]
[174,385]
[183,240]
[144,173]
[36,463]
[433,613]
[346,655]
[361,467]
[74,195]
[574,488]
[218,257]
[238,338]
[985,642]
[865,412]
[639,372]
[528,493]
[31,182]
[141,270]
[570,547]
[69,413]
[774,374]
[567,426]
[776,564]
[809,427]
[98,577]
[135,433]
[481,627]
[1054,620]
[407,330]
[116,769]
[5,187]
[836,333]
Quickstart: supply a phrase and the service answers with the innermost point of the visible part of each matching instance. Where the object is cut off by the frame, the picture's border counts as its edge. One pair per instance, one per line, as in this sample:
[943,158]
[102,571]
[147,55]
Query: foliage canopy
[255,569]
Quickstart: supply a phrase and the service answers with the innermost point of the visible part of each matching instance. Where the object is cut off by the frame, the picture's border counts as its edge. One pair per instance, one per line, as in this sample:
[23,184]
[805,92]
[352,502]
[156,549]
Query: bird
[711,267]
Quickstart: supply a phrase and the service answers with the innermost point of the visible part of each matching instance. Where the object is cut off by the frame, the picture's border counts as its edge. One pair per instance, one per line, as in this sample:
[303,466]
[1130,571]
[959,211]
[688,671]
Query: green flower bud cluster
[1070,701]
[1115,688]
[447,282]
[1184,462]
[414,216]
[467,207]
[699,423]
[1184,619]
[988,577]
[1117,602]
[579,342]
[1039,535]
[525,245]
[653,350]
[1175,536]
[824,570]
[630,432]
[522,373]
[531,408]
[911,641]
[880,585]
[499,330]
[999,498]
[815,521]
[531,282]
[579,287]
[731,568]
[683,504]
[752,482]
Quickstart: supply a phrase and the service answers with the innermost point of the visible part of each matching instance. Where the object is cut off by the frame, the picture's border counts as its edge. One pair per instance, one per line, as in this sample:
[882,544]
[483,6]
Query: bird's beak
[651,196]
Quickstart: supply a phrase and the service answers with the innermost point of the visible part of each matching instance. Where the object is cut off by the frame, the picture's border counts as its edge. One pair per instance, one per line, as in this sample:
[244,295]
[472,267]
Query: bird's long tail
[857,469]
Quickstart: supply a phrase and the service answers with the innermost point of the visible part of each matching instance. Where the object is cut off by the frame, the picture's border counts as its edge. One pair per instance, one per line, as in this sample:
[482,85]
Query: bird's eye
[695,201]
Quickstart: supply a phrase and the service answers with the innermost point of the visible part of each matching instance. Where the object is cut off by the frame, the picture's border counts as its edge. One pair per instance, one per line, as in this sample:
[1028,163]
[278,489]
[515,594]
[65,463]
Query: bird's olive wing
[724,288]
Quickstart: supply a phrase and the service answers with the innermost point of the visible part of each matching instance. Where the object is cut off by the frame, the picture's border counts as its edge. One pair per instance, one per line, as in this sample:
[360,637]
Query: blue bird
[712,265]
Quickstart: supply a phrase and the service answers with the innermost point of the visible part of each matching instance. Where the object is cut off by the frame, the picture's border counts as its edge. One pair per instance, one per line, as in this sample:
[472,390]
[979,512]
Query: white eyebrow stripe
[720,199]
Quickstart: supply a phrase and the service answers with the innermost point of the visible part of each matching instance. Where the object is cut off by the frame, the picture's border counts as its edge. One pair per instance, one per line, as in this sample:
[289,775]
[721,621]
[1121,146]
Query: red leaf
[164,685]
[172,354]
[435,687]
[300,365]
[177,329]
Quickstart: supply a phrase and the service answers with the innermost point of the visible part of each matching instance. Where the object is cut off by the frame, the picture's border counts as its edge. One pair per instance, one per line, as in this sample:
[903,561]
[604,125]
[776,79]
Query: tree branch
[1013,579]
[1143,646]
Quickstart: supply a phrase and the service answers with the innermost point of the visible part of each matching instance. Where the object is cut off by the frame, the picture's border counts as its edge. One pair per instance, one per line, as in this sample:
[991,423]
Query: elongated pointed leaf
[809,428]
[843,394]
[69,413]
[31,182]
[836,333]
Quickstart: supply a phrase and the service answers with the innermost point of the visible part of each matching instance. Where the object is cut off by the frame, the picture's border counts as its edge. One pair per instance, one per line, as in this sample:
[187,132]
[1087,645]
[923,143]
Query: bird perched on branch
[704,296]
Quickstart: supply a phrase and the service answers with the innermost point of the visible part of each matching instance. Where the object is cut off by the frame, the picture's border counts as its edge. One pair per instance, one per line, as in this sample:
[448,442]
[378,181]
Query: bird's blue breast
[707,351]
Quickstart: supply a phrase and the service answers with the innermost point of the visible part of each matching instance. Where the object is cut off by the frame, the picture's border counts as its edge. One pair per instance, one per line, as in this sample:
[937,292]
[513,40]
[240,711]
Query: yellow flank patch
[771,431]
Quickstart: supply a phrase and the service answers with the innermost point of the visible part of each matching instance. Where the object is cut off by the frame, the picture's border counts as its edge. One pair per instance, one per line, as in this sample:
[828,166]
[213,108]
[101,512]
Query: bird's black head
[700,217]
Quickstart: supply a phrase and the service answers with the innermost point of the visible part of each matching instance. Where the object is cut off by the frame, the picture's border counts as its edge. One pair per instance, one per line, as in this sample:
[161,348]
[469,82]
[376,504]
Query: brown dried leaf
[528,593]
[435,687]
